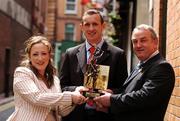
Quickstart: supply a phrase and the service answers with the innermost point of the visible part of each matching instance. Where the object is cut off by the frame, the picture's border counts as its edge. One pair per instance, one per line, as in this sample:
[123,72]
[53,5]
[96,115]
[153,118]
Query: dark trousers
[93,115]
[87,115]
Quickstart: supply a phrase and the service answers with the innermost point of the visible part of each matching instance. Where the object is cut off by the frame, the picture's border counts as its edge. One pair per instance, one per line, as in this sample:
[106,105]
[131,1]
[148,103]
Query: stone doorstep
[6,100]
[6,106]
[6,103]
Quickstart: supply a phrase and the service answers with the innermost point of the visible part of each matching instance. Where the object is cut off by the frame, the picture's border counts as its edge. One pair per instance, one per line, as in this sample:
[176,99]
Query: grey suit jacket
[74,67]
[145,94]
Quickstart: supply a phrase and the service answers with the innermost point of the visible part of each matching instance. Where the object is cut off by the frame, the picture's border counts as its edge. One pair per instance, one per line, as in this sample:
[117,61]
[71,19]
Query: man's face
[92,28]
[143,44]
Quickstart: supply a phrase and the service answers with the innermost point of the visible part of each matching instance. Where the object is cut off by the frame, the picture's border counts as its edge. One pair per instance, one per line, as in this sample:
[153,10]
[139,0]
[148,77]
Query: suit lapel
[133,74]
[81,56]
[105,54]
[147,65]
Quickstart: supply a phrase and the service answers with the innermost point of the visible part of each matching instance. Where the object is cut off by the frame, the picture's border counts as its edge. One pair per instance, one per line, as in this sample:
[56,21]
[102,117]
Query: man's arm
[156,90]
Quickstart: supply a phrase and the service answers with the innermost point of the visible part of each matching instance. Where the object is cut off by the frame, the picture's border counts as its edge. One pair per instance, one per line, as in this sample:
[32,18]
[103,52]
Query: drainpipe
[163,27]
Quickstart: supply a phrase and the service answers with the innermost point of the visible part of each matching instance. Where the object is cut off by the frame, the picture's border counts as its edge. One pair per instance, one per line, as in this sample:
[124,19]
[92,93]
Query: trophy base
[92,94]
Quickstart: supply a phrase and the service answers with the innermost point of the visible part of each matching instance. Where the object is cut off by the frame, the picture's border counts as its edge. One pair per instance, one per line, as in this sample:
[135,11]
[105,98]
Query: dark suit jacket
[145,95]
[74,67]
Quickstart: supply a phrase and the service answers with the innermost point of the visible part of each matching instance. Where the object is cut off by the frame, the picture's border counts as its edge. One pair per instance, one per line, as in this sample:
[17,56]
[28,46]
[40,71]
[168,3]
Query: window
[71,7]
[69,31]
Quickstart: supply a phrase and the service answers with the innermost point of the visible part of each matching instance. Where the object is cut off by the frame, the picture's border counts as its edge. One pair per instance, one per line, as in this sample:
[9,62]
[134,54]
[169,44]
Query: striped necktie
[91,50]
[90,103]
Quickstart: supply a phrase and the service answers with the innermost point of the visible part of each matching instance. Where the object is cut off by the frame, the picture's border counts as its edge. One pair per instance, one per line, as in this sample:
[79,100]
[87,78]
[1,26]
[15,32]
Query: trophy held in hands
[96,76]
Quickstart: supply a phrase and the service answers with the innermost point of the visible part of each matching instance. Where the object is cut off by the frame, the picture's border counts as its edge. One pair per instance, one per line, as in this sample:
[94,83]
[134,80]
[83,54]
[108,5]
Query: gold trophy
[96,76]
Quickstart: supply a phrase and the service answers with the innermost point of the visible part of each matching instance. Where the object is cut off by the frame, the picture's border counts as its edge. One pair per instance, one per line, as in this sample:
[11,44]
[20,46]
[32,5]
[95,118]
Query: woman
[37,91]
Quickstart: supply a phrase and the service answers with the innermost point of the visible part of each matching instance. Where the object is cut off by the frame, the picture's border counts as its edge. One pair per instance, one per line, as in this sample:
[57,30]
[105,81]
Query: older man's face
[143,44]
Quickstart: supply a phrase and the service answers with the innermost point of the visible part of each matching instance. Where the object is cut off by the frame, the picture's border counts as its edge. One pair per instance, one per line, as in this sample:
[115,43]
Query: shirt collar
[152,55]
[88,45]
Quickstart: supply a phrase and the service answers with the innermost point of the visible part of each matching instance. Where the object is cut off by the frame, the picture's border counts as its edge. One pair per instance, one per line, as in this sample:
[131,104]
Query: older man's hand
[103,100]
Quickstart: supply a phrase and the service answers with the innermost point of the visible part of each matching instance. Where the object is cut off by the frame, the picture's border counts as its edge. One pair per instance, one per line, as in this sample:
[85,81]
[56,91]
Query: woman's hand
[81,89]
[78,98]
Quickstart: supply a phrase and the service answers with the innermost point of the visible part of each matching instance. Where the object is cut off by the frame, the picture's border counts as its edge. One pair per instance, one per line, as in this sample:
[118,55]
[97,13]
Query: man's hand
[103,100]
[102,109]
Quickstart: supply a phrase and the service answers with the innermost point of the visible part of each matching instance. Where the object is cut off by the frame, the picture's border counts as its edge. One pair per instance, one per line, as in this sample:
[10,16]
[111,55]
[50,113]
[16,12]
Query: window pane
[69,31]
[70,0]
[69,36]
[70,7]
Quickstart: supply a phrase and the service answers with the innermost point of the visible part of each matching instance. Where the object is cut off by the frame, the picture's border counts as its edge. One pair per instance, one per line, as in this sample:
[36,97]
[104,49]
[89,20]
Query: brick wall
[12,36]
[172,51]
[173,56]
[13,33]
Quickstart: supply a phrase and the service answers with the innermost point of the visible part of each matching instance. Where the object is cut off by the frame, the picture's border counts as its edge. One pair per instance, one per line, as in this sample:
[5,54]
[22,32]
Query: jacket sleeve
[64,110]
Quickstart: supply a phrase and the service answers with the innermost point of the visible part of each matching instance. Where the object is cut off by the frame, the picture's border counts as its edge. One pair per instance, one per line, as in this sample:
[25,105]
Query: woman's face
[39,57]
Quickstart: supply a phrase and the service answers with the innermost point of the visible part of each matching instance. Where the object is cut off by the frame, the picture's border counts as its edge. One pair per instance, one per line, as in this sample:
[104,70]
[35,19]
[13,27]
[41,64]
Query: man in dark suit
[146,92]
[74,66]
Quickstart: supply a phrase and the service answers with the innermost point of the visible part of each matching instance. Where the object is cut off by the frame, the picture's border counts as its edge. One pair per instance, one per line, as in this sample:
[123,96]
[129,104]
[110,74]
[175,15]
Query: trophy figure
[96,76]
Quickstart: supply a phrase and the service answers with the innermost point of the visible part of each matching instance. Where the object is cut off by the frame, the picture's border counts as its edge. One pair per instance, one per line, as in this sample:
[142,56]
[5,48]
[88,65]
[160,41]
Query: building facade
[172,50]
[15,24]
[19,20]
[69,14]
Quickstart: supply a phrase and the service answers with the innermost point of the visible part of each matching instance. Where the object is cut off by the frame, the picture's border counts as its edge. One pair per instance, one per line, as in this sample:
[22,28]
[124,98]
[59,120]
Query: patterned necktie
[90,103]
[91,50]
[140,65]
[137,68]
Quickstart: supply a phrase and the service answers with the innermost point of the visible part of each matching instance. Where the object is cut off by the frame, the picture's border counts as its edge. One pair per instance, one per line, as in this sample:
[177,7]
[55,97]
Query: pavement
[6,107]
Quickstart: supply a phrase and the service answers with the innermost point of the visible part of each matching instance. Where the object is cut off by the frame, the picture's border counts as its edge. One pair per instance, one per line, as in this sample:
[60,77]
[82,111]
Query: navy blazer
[145,94]
[73,69]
